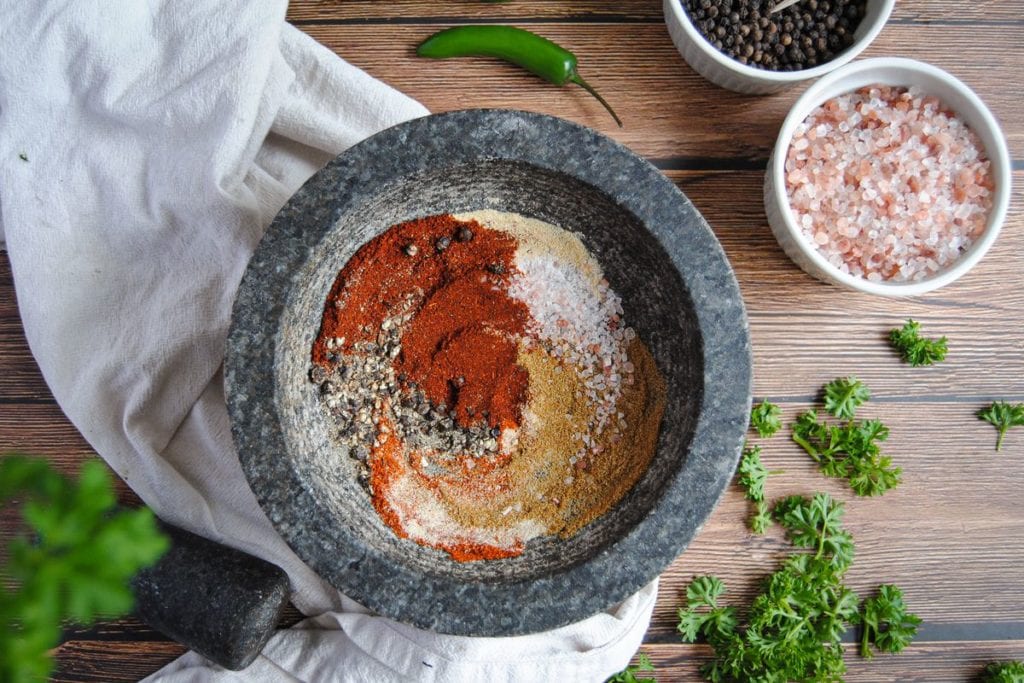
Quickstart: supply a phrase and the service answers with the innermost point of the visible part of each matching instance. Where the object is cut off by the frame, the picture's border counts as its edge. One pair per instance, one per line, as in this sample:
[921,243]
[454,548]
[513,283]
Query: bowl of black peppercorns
[763,46]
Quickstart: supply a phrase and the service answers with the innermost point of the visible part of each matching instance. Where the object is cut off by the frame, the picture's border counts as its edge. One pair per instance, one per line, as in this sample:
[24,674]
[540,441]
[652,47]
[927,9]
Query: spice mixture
[888,183]
[480,370]
[803,35]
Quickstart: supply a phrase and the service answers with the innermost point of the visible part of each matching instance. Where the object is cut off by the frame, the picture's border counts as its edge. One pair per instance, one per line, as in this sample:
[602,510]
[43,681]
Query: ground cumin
[545,481]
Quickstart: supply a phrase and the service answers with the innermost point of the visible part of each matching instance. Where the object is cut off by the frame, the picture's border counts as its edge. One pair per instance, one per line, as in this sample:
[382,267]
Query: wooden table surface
[952,535]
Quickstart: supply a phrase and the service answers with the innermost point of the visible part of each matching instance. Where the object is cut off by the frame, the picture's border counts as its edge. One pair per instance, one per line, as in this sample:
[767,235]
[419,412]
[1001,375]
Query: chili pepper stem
[586,86]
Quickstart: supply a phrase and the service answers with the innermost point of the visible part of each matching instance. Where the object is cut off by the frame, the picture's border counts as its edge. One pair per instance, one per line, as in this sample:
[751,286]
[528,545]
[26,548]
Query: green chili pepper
[536,54]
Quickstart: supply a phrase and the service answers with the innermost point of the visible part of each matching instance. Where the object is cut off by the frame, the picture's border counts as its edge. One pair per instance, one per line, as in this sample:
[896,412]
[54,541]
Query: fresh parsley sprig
[1003,416]
[753,473]
[914,348]
[794,627]
[752,477]
[766,419]
[76,564]
[761,519]
[1003,672]
[628,675]
[848,450]
[886,623]
[817,524]
[703,616]
[844,395]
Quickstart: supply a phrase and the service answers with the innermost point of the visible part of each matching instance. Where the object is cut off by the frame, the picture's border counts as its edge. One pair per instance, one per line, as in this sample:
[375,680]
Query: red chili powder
[461,346]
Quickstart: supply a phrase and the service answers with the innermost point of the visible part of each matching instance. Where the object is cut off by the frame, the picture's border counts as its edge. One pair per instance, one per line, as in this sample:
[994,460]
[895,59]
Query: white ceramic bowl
[725,71]
[887,71]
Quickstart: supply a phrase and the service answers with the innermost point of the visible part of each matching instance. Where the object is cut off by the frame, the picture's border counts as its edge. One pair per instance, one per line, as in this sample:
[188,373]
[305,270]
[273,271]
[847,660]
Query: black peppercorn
[803,35]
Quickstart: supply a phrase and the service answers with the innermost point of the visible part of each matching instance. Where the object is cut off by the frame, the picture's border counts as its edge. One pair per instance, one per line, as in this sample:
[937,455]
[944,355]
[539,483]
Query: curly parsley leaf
[914,348]
[753,473]
[844,395]
[77,563]
[794,627]
[702,615]
[815,437]
[1003,416]
[848,450]
[761,519]
[886,622]
[817,524]
[704,591]
[628,675]
[766,418]
[752,477]
[873,475]
[1003,672]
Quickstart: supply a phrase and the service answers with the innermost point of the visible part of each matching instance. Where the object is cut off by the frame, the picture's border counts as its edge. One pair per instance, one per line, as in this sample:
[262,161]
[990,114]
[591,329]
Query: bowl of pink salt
[889,176]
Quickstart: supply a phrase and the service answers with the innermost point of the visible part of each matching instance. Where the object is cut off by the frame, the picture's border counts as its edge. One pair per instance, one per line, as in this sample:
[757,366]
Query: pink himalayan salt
[888,183]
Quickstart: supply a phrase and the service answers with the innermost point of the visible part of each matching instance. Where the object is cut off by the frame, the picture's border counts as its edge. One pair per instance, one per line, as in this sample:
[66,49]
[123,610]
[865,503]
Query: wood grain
[668,109]
[955,12]
[936,662]
[951,535]
[945,535]
[105,661]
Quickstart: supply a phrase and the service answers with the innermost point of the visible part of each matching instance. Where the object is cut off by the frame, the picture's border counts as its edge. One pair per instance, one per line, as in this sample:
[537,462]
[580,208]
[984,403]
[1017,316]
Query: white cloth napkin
[144,148]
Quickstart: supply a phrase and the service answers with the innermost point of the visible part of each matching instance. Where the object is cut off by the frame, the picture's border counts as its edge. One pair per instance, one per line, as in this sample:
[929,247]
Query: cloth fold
[144,148]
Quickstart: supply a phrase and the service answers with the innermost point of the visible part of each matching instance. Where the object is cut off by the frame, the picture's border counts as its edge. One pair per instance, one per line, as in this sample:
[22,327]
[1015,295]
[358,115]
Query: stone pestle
[219,601]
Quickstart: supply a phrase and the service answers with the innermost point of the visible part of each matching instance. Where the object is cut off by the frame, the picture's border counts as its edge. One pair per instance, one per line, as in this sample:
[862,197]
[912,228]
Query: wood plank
[931,662]
[20,379]
[940,544]
[306,11]
[984,330]
[946,534]
[103,661]
[925,663]
[130,627]
[804,332]
[979,558]
[667,108]
[98,653]
[42,429]
[957,12]
[934,662]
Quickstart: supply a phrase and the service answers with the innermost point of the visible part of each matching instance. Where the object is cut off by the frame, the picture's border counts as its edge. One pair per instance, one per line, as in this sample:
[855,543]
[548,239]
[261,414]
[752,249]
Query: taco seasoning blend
[480,369]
